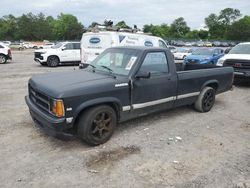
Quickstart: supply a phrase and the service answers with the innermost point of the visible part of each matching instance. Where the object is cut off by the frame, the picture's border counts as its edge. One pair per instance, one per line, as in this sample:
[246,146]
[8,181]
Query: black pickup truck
[120,84]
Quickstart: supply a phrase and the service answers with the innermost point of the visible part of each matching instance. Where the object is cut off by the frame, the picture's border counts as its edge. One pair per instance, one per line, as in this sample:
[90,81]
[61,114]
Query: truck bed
[192,78]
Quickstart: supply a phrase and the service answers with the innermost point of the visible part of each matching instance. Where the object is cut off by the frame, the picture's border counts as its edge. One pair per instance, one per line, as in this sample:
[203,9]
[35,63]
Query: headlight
[57,107]
[220,62]
[43,52]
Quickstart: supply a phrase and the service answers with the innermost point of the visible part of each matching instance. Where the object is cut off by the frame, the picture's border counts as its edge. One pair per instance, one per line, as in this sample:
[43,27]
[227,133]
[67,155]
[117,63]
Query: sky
[137,12]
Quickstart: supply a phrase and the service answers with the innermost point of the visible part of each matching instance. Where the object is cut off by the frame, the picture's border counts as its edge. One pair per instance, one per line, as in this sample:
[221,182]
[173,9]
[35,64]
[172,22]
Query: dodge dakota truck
[120,84]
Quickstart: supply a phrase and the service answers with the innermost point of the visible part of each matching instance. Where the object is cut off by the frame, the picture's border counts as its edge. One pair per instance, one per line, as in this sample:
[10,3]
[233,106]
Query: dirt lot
[214,150]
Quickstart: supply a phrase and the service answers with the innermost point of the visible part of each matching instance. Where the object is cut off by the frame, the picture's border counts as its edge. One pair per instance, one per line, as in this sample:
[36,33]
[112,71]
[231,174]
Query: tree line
[229,24]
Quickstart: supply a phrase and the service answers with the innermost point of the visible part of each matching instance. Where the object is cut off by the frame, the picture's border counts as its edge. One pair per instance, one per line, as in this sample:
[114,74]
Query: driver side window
[155,63]
[69,46]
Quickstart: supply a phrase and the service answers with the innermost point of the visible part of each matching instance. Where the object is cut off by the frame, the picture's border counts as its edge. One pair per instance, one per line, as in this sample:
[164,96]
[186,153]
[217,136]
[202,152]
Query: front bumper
[38,60]
[53,126]
[242,74]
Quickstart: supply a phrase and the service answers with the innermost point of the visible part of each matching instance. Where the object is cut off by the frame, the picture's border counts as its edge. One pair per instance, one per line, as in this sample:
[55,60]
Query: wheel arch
[110,101]
[211,83]
[52,56]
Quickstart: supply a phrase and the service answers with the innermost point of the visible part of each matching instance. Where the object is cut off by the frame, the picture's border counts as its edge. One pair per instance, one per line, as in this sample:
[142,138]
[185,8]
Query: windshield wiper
[109,69]
[85,65]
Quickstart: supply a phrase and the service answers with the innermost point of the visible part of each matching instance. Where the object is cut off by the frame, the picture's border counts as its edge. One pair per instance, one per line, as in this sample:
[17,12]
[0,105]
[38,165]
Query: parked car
[27,45]
[182,53]
[238,58]
[62,53]
[207,44]
[189,44]
[200,43]
[224,44]
[6,43]
[94,43]
[204,56]
[172,49]
[216,43]
[47,45]
[5,53]
[120,84]
[16,45]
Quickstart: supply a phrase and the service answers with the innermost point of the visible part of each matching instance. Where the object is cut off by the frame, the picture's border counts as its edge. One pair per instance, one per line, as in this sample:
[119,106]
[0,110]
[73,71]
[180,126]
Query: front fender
[97,101]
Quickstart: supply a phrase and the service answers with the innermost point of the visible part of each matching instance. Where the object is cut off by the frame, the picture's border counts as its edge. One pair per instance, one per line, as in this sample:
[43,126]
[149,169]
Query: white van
[94,43]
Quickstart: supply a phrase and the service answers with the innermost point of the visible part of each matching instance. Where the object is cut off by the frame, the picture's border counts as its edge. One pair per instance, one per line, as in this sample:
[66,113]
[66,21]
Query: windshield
[240,49]
[118,61]
[202,52]
[57,45]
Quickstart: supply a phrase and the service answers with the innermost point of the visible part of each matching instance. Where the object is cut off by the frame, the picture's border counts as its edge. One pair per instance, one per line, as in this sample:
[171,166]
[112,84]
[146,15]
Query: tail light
[9,53]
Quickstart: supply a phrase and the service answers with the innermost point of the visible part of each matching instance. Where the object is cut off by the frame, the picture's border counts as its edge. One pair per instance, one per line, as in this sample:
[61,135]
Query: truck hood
[237,56]
[64,84]
[48,50]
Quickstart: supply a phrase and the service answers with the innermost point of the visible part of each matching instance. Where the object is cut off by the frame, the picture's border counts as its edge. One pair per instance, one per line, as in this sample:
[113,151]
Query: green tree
[67,27]
[8,28]
[179,28]
[240,30]
[162,30]
[219,24]
[122,24]
[229,15]
[93,24]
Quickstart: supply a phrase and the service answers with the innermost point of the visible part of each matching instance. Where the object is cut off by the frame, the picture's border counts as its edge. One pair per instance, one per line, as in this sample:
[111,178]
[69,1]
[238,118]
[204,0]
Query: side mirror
[63,48]
[143,75]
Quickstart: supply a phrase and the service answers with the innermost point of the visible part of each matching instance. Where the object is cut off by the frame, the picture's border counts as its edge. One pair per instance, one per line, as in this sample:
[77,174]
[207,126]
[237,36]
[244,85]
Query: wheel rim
[2,59]
[53,61]
[208,99]
[101,126]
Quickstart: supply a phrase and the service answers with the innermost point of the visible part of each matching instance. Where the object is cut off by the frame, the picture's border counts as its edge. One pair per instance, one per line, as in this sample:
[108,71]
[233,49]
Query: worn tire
[3,59]
[53,61]
[206,100]
[94,128]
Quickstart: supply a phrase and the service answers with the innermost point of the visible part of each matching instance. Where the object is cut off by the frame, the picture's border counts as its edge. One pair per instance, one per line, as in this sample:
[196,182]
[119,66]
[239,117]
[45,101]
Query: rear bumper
[53,126]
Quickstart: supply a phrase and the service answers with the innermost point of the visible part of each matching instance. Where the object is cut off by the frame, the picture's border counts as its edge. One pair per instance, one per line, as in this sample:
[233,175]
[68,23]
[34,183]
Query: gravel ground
[214,149]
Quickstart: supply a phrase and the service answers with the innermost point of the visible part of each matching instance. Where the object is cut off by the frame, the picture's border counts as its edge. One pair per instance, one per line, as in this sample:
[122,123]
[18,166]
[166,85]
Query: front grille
[38,55]
[193,61]
[41,100]
[237,64]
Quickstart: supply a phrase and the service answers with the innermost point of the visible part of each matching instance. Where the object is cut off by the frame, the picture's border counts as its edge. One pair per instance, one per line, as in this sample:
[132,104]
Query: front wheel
[97,125]
[3,59]
[53,61]
[206,100]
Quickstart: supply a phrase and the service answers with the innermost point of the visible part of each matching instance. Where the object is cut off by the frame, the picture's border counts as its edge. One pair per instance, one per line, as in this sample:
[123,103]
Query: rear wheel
[97,125]
[3,59]
[53,61]
[206,100]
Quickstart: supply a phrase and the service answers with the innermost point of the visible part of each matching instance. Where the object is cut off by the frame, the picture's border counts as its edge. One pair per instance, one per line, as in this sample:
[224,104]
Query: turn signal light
[57,107]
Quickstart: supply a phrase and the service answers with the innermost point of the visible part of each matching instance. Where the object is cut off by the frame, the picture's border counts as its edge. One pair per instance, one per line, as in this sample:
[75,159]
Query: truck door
[159,90]
[68,53]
